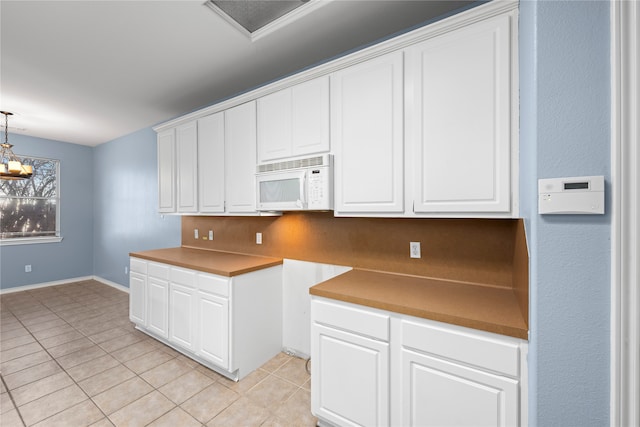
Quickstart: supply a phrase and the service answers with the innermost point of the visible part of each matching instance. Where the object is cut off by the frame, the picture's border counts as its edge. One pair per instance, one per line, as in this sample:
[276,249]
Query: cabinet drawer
[183,276]
[159,271]
[367,322]
[137,265]
[468,347]
[213,284]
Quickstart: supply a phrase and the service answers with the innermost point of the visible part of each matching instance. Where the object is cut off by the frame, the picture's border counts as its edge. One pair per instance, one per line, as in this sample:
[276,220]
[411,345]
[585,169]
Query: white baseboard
[118,286]
[44,285]
[64,282]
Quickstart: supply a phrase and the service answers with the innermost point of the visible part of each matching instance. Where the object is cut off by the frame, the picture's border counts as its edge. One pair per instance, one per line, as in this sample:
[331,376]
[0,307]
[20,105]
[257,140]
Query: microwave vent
[294,164]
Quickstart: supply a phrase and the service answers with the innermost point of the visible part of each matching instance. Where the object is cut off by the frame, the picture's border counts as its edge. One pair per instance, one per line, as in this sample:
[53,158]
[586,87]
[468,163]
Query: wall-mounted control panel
[572,195]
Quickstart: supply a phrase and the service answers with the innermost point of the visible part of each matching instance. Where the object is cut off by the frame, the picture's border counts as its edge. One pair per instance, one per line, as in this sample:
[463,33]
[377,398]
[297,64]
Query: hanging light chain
[6,126]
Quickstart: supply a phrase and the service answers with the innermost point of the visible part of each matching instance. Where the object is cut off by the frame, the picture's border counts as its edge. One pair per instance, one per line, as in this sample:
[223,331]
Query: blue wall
[565,131]
[51,261]
[126,204]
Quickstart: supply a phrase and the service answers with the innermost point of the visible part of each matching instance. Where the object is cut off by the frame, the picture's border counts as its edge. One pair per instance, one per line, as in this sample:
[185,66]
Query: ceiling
[88,72]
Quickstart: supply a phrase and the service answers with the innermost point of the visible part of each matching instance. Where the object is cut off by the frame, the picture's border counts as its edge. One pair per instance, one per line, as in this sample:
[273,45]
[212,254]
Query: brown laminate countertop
[216,262]
[487,308]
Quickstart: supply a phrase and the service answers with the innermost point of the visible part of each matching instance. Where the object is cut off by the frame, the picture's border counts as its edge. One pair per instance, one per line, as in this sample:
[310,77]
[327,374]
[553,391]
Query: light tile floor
[69,356]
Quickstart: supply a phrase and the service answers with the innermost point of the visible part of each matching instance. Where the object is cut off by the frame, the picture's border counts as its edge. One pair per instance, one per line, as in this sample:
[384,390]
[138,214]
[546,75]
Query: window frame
[13,241]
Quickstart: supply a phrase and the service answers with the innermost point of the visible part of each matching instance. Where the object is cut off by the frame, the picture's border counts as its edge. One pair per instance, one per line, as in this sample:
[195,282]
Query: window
[30,208]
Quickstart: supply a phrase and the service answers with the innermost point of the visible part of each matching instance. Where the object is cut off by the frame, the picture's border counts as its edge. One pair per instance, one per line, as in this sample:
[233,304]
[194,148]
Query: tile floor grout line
[4,383]
[57,363]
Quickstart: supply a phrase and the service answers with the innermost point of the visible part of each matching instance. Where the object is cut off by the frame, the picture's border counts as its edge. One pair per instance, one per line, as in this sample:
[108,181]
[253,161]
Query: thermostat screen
[576,185]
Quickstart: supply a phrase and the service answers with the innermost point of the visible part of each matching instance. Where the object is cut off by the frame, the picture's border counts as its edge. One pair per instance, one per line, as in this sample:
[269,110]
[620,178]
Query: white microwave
[304,184]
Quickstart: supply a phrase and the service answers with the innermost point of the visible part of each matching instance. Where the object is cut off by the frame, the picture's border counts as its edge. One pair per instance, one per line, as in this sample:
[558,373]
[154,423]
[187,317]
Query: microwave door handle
[303,190]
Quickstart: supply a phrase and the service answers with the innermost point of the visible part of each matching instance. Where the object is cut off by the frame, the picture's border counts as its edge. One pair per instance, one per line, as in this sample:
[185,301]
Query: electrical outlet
[196,235]
[27,268]
[210,234]
[414,250]
[126,270]
[258,238]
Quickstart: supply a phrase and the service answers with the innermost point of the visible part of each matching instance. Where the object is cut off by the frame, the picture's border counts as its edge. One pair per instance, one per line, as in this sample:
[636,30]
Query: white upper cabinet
[421,125]
[274,125]
[460,122]
[310,111]
[367,135]
[167,171]
[211,163]
[240,158]
[187,167]
[294,121]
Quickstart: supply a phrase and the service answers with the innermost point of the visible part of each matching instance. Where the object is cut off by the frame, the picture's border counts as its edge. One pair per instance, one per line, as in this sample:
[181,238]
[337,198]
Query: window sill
[29,241]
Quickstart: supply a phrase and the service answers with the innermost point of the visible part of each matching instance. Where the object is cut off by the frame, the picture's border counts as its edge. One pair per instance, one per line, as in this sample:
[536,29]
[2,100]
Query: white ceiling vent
[256,18]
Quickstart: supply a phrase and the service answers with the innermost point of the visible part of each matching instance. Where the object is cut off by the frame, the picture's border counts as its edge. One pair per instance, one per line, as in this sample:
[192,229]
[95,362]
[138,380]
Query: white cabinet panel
[469,347]
[158,306]
[274,125]
[461,118]
[182,315]
[166,171]
[350,378]
[138,298]
[310,117]
[440,393]
[213,328]
[240,157]
[211,163]
[367,133]
[187,167]
[359,320]
[294,121]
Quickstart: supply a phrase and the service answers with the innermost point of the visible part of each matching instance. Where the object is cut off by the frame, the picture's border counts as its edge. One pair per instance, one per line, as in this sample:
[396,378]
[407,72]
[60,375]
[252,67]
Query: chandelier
[11,167]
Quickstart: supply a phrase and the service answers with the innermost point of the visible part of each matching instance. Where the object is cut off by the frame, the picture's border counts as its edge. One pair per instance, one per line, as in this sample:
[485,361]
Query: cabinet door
[461,120]
[158,306]
[240,158]
[213,329]
[167,171]
[274,125]
[182,315]
[187,165]
[367,133]
[310,117]
[440,393]
[137,298]
[211,163]
[350,374]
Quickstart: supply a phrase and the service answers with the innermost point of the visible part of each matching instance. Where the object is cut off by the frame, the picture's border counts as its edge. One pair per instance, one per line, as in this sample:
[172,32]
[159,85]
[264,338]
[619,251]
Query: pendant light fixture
[11,167]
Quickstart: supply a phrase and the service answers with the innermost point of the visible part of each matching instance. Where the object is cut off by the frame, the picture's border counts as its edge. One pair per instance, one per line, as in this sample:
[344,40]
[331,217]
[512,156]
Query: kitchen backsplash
[483,251]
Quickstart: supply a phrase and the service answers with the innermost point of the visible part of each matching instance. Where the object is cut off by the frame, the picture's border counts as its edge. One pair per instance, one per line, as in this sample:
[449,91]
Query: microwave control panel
[319,189]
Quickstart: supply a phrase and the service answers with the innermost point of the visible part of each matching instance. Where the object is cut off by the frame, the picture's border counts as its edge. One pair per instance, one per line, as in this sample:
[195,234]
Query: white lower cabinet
[182,315]
[213,328]
[230,324]
[182,307]
[375,368]
[350,364]
[138,292]
[157,306]
[352,377]
[437,392]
